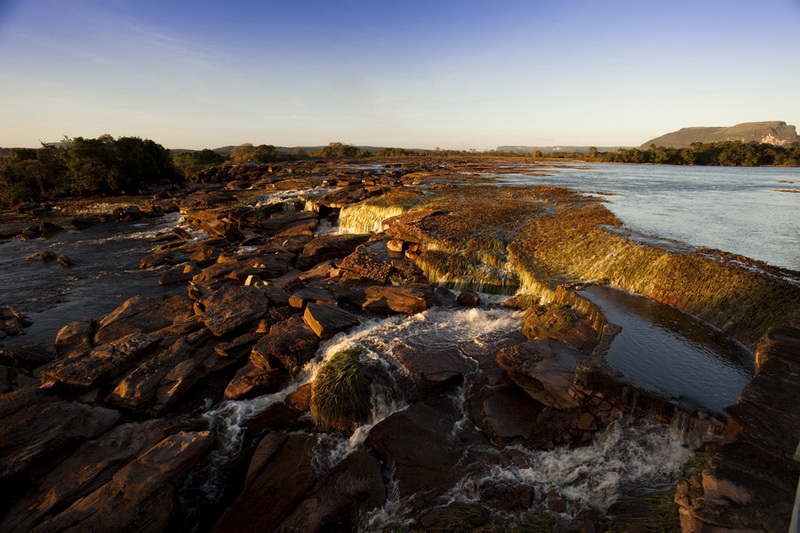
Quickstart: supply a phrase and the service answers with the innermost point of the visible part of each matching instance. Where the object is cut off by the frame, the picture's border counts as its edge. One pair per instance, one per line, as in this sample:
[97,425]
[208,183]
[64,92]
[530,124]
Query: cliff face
[778,133]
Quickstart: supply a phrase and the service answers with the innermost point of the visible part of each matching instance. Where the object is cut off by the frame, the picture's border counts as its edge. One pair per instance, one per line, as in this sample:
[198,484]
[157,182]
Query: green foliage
[247,153]
[339,151]
[190,163]
[84,166]
[649,513]
[340,393]
[728,153]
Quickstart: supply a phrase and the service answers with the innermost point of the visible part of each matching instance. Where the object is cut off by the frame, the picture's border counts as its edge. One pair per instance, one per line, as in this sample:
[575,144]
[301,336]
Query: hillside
[778,133]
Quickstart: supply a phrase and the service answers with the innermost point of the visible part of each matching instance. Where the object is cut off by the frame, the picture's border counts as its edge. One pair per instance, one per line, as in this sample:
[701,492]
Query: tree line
[726,154]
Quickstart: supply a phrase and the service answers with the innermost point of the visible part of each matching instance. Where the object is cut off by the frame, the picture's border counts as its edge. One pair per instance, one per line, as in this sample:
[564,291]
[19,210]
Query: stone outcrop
[749,480]
[409,299]
[232,307]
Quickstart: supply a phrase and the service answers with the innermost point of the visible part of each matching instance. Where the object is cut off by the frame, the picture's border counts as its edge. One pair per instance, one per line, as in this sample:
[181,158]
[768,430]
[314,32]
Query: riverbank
[312,325]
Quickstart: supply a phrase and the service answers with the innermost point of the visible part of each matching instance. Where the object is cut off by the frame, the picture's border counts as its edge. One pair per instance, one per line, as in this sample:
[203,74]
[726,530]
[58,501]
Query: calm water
[734,209]
[672,353]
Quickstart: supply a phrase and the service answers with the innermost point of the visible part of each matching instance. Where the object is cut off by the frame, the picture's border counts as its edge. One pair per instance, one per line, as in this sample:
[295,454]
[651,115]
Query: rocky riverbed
[320,352]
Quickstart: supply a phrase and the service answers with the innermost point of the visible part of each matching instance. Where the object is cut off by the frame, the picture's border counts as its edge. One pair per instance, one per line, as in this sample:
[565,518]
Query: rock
[410,299]
[290,343]
[85,470]
[238,347]
[300,399]
[251,382]
[328,320]
[140,496]
[138,388]
[299,299]
[162,257]
[468,299]
[326,247]
[433,368]
[352,487]
[35,425]
[232,307]
[143,314]
[299,221]
[423,460]
[395,245]
[101,363]
[180,274]
[222,228]
[373,261]
[183,377]
[443,297]
[544,369]
[75,338]
[27,357]
[206,255]
[282,465]
[408,226]
[65,261]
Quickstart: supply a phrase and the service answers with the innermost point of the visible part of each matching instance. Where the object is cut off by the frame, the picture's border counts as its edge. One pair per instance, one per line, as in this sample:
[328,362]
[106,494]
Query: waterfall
[366,217]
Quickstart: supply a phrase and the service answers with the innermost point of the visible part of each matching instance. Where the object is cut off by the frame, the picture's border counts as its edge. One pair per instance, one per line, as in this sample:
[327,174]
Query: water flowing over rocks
[302,378]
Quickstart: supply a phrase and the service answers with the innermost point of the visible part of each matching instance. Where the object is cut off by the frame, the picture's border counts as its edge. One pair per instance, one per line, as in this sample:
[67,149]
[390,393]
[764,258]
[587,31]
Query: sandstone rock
[238,347]
[468,299]
[373,261]
[408,226]
[75,338]
[101,363]
[545,370]
[162,257]
[328,320]
[326,247]
[280,223]
[353,486]
[143,314]
[183,377]
[433,368]
[232,307]
[206,255]
[222,228]
[85,470]
[140,496]
[180,273]
[139,386]
[300,399]
[250,382]
[423,460]
[443,297]
[35,425]
[282,465]
[27,357]
[299,299]
[410,299]
[290,343]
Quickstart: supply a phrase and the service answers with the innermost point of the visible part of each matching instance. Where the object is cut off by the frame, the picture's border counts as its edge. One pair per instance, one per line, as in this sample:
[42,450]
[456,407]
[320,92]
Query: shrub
[340,393]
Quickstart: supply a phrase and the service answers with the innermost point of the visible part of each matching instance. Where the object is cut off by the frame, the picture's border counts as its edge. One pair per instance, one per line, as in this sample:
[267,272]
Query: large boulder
[232,307]
[141,495]
[352,487]
[75,338]
[280,473]
[434,368]
[544,369]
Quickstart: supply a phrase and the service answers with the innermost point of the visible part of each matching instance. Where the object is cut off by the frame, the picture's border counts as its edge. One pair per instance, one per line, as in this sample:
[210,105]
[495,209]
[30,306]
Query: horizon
[453,75]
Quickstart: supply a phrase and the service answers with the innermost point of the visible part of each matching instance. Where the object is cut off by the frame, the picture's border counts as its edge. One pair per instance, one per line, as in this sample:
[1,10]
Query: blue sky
[453,74]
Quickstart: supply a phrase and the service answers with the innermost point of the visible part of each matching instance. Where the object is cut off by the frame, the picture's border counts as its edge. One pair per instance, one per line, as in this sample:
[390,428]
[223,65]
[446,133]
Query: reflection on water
[735,209]
[665,350]
[104,275]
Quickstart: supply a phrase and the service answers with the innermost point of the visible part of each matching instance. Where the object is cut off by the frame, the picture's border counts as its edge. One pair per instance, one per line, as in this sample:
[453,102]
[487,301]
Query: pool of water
[669,352]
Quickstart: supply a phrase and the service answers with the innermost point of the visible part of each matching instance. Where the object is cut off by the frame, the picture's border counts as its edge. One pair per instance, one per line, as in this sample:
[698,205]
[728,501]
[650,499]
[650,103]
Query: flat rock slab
[434,368]
[410,299]
[328,320]
[232,307]
[544,369]
[289,343]
[326,247]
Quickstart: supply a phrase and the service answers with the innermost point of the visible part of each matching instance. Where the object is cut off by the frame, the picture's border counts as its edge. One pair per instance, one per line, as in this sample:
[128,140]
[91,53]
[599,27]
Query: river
[745,211]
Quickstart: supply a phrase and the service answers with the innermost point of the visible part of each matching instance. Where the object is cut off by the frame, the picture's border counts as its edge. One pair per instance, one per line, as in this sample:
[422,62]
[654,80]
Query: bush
[340,393]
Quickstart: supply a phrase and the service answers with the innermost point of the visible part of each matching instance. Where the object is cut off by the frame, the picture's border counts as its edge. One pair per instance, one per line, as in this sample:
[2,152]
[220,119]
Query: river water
[745,211]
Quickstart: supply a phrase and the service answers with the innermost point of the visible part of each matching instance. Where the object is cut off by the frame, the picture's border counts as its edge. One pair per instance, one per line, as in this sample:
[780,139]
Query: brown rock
[326,247]
[353,486]
[410,299]
[436,368]
[468,299]
[290,343]
[140,496]
[100,364]
[85,470]
[544,369]
[222,228]
[587,422]
[250,382]
[232,307]
[300,399]
[299,299]
[328,320]
[180,273]
[35,424]
[143,314]
[75,338]
[281,465]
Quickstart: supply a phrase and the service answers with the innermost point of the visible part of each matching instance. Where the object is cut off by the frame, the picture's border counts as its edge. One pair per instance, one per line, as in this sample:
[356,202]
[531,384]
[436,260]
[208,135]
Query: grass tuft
[340,393]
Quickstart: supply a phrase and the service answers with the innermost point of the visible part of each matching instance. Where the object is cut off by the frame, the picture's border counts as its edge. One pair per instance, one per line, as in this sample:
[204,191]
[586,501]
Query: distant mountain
[550,149]
[777,133]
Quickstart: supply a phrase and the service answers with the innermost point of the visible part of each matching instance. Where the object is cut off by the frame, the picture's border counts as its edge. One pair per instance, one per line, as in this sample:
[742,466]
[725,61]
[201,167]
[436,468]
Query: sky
[461,74]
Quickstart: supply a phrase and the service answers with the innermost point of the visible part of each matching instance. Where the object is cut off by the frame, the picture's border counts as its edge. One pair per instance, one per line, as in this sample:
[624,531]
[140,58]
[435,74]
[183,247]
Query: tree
[336,150]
